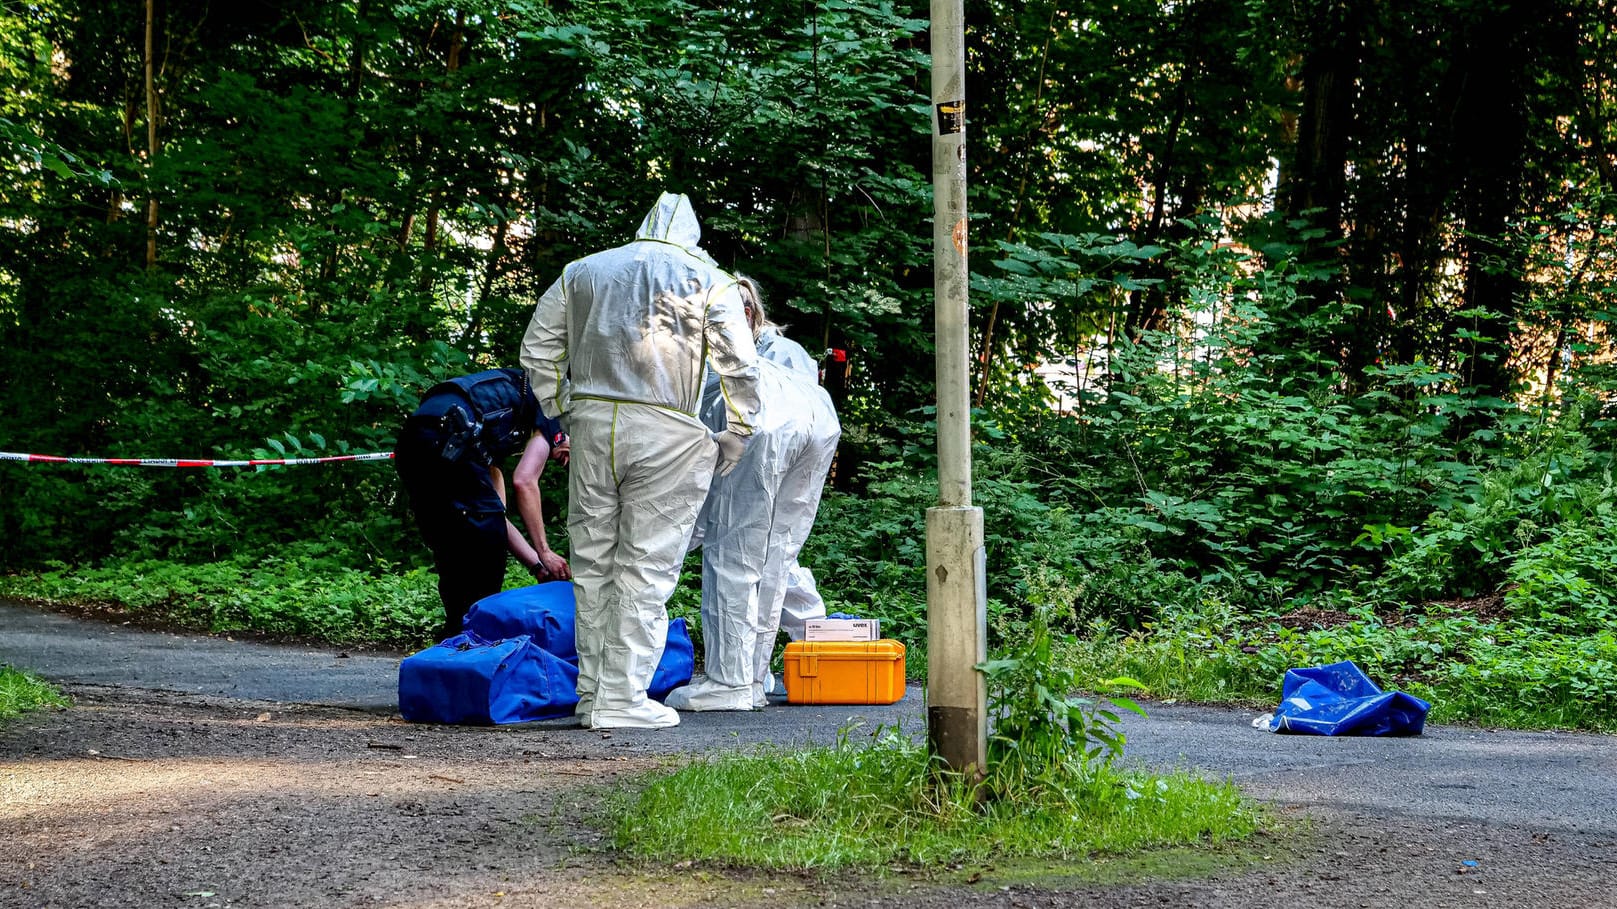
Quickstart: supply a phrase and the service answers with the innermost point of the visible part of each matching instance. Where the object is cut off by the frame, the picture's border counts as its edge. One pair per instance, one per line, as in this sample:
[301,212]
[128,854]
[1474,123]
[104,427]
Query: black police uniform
[443,455]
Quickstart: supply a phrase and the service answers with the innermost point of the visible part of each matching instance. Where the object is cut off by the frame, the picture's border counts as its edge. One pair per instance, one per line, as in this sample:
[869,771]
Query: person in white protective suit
[618,346]
[801,600]
[756,519]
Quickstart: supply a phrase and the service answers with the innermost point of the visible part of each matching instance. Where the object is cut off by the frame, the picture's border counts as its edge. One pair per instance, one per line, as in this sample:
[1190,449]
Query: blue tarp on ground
[1339,699]
[484,676]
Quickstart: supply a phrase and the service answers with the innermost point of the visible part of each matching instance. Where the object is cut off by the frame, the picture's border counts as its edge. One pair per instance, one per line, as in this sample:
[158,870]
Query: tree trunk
[151,140]
[491,268]
[457,41]
[986,348]
[1314,187]
[1330,73]
[356,62]
[1491,133]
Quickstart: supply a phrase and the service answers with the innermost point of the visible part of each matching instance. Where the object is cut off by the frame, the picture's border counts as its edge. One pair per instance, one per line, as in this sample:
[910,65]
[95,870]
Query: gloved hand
[731,447]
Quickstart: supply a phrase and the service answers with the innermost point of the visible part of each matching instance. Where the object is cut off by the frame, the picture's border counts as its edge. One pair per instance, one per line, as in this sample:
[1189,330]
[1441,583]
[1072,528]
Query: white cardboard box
[842,630]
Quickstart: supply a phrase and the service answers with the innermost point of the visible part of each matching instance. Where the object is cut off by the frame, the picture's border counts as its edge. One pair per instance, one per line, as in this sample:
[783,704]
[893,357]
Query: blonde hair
[753,299]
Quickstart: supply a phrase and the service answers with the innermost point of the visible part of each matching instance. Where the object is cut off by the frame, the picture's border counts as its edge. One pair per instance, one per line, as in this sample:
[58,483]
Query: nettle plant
[1043,731]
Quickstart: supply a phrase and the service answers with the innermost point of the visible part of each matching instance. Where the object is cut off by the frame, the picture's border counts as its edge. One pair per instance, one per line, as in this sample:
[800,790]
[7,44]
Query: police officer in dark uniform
[448,457]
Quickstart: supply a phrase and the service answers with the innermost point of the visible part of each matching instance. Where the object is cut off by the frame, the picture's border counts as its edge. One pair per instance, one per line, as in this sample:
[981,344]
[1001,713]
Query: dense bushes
[1217,510]
[1224,509]
[300,596]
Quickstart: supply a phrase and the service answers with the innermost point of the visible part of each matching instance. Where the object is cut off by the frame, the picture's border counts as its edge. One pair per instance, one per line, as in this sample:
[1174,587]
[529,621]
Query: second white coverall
[802,600]
[753,526]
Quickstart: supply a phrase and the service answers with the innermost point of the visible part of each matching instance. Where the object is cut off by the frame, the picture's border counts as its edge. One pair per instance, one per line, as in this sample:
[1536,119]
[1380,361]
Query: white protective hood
[772,345]
[638,323]
[671,220]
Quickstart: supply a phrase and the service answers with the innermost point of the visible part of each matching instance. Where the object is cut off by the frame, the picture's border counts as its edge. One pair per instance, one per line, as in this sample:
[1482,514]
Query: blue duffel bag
[543,612]
[471,681]
[677,664]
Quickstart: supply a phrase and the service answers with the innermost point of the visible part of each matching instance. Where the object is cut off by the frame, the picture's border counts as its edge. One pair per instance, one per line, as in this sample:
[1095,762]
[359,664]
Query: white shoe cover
[650,715]
[705,694]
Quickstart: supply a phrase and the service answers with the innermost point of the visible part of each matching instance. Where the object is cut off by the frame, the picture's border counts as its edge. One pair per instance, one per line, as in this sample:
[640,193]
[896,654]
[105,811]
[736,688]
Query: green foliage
[877,804]
[1379,385]
[868,553]
[1045,734]
[22,692]
[1558,485]
[1223,456]
[1564,584]
[301,596]
[1522,676]
[1515,672]
[354,201]
[20,148]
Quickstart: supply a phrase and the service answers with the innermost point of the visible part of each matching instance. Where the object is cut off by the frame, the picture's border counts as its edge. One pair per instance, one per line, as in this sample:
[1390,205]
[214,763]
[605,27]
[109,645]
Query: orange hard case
[844,672]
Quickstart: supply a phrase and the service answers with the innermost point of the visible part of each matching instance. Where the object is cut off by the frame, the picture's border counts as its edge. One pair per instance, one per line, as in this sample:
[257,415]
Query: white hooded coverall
[788,596]
[754,524]
[618,346]
[802,599]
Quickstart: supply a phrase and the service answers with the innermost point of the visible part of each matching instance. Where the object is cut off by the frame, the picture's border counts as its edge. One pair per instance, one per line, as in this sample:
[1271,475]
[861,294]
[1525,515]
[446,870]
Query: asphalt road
[1547,781]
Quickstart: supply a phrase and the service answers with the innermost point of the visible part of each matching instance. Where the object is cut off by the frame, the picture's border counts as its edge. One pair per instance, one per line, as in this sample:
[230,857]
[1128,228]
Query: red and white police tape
[188,462]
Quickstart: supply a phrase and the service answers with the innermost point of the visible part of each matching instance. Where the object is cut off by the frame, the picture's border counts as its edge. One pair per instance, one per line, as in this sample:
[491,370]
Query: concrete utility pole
[956,583]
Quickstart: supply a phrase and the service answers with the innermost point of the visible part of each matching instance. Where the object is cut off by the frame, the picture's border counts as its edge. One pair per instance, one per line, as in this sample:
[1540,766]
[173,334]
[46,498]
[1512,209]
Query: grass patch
[879,806]
[1051,791]
[21,692]
[272,597]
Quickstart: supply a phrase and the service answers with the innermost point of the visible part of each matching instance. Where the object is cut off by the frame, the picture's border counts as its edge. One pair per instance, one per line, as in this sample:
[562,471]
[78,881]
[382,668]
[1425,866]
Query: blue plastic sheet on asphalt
[1339,699]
